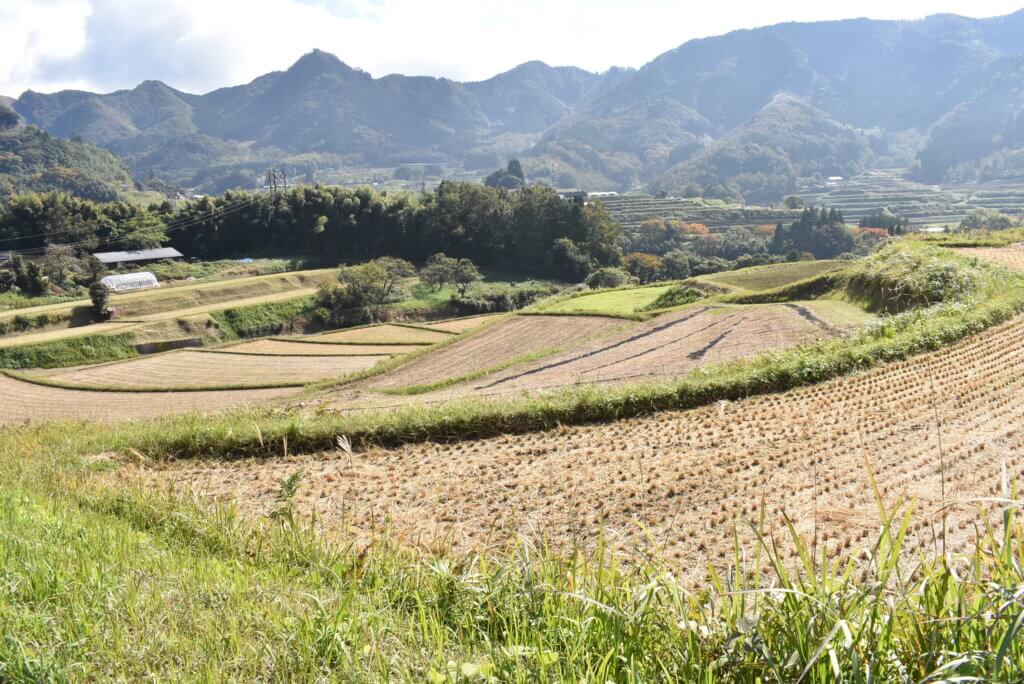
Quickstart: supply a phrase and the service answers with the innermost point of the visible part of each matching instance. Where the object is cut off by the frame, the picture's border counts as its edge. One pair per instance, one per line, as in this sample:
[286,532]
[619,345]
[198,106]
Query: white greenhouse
[130,281]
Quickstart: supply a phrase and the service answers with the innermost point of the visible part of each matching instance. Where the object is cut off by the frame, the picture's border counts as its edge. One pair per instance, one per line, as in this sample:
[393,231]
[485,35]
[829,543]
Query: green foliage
[988,220]
[511,178]
[100,296]
[883,218]
[31,160]
[678,295]
[24,277]
[608,278]
[74,351]
[260,320]
[644,267]
[821,233]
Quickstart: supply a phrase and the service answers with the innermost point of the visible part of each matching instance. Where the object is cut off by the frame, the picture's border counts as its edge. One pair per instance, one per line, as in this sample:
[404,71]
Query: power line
[187,223]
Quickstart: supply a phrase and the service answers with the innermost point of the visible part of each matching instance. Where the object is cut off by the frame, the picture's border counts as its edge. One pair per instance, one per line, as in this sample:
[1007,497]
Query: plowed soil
[22,402]
[202,369]
[937,429]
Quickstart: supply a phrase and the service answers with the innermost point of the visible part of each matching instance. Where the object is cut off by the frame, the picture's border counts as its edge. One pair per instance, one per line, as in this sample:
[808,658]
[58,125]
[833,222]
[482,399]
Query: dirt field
[518,336]
[22,402]
[461,325]
[272,346]
[1012,257]
[202,369]
[685,481]
[384,334]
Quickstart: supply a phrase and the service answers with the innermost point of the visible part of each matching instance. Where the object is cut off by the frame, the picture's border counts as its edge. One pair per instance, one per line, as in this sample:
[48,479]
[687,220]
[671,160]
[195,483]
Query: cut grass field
[760,278]
[280,347]
[1011,257]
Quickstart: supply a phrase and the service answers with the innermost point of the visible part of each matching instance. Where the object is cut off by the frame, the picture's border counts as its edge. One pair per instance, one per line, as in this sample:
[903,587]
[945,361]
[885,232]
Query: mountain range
[747,114]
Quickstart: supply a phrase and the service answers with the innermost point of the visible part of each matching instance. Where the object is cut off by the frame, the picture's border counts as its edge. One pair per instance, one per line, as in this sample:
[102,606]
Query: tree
[510,178]
[438,271]
[59,262]
[464,275]
[608,277]
[100,296]
[645,267]
[676,265]
[515,168]
[8,118]
[793,202]
[568,261]
[987,219]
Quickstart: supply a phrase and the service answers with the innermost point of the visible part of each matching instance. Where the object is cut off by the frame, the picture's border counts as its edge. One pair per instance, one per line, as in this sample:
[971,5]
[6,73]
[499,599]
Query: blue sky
[199,45]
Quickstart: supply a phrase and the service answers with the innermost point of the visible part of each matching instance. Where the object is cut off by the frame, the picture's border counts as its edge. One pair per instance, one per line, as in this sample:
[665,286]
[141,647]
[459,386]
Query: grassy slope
[625,302]
[768,277]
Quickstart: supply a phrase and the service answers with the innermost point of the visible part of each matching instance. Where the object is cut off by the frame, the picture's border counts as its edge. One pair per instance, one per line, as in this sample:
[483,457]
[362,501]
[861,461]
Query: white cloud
[198,45]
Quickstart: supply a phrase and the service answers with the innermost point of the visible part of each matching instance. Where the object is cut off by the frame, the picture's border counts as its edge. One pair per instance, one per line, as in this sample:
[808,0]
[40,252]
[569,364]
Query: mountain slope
[763,158]
[944,75]
[32,160]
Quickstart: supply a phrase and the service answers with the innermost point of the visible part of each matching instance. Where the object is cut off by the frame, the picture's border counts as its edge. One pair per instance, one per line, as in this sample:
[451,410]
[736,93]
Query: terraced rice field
[22,402]
[461,325]
[1011,257]
[385,334]
[612,302]
[681,484]
[669,346]
[517,337]
[769,277]
[206,369]
[290,348]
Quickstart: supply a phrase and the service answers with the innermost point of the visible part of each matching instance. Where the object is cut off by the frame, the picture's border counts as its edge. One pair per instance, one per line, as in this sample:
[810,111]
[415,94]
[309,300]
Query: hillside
[764,157]
[32,160]
[909,81]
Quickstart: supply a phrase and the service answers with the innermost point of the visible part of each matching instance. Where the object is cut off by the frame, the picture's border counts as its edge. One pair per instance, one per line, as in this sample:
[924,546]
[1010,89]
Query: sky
[200,45]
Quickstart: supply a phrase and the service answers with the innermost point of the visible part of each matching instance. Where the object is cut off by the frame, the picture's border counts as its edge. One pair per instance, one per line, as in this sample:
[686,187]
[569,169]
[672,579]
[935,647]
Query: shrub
[678,295]
[608,278]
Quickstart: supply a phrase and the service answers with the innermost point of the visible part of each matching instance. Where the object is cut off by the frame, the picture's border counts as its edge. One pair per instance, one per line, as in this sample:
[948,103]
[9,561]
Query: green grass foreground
[107,581]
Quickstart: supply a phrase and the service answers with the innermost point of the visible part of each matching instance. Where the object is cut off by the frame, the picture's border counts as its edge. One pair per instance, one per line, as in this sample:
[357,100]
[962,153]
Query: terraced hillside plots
[624,302]
[27,402]
[1011,257]
[190,369]
[384,334]
[682,484]
[761,278]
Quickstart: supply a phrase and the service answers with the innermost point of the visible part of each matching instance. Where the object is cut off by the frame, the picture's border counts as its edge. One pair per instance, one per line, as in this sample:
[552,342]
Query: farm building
[130,281]
[119,259]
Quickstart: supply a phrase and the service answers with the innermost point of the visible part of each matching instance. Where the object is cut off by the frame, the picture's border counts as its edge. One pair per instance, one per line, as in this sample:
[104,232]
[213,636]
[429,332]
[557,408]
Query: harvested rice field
[384,334]
[681,484]
[517,337]
[289,348]
[187,368]
[1011,257]
[23,402]
[461,325]
[669,346]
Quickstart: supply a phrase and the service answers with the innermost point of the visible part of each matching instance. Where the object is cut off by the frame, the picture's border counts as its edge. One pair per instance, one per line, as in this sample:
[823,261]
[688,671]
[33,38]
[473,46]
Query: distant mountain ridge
[788,101]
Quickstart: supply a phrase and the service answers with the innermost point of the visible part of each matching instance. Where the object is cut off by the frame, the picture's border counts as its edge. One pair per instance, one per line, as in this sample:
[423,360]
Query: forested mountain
[32,160]
[784,102]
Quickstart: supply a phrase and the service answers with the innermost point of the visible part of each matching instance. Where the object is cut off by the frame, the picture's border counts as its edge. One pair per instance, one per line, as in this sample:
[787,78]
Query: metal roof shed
[137,256]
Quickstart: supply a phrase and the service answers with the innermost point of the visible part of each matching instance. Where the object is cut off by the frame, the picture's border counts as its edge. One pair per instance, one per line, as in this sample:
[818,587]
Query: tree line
[530,231]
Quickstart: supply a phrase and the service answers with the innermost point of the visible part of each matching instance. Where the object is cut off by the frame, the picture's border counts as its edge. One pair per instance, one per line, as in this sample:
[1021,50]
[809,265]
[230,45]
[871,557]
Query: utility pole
[277,181]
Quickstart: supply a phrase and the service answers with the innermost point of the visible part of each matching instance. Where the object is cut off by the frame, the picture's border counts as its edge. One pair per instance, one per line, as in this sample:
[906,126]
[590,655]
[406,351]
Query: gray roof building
[137,256]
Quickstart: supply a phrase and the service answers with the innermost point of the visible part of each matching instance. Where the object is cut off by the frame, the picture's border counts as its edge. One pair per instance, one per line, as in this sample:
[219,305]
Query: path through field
[681,483]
